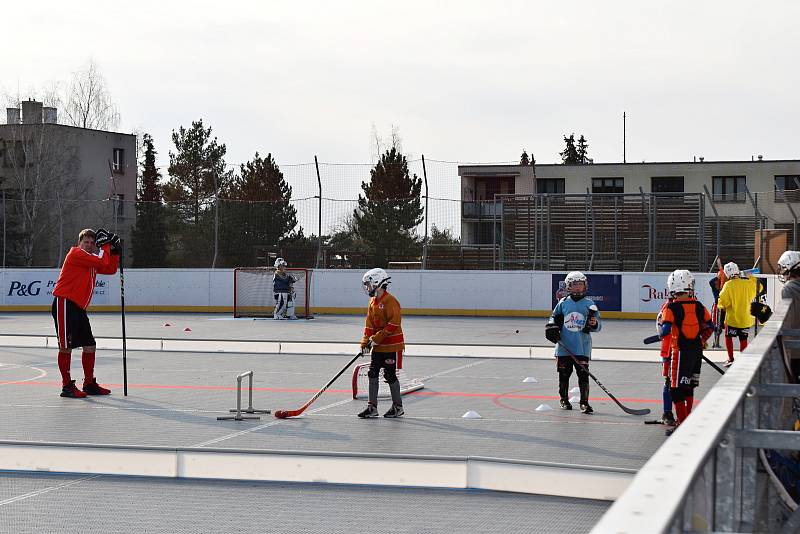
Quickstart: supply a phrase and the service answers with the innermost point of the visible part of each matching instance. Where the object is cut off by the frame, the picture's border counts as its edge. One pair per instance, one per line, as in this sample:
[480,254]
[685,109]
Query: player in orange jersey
[688,325]
[383,335]
[96,253]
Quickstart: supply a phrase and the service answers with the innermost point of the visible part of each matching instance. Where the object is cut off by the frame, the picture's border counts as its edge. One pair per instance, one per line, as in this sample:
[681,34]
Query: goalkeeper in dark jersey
[283,291]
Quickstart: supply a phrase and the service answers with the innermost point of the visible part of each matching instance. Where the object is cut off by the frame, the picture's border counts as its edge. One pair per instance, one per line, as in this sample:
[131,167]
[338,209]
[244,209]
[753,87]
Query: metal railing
[713,474]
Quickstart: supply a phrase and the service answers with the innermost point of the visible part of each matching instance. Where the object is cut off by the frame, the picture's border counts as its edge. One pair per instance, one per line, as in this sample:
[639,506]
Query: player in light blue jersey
[573,319]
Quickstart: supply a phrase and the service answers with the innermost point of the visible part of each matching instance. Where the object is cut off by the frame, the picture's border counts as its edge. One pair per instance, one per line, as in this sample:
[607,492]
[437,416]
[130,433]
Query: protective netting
[329,221]
[253,292]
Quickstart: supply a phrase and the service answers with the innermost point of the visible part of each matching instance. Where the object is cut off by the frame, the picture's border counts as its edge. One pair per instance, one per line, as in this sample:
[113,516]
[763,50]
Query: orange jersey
[383,324]
[691,324]
[76,280]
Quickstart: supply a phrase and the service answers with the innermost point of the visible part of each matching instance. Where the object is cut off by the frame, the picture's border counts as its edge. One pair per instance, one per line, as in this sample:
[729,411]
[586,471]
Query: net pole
[319,215]
[425,242]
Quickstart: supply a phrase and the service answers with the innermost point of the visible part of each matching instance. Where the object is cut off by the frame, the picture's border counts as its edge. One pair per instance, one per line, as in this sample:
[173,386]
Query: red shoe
[93,388]
[72,391]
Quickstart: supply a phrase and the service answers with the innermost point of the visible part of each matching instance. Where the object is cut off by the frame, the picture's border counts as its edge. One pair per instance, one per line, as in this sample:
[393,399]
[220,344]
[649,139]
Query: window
[666,184]
[608,185]
[119,160]
[787,188]
[487,187]
[728,188]
[552,186]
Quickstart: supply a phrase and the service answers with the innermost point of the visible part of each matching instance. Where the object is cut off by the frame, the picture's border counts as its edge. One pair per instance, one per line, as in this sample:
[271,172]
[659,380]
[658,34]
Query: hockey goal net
[253,295]
[361,383]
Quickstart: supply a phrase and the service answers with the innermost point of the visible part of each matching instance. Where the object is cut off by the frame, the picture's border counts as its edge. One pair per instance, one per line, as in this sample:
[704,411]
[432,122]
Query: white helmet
[373,279]
[789,261]
[576,276]
[280,262]
[731,270]
[680,281]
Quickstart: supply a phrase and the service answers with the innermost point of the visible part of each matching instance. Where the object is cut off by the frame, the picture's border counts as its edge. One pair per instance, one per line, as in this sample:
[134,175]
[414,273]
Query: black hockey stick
[649,340]
[122,305]
[631,411]
[283,414]
[655,339]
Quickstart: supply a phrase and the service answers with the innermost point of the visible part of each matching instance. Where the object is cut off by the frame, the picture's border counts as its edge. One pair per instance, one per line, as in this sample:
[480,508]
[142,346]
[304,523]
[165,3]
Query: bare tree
[87,102]
[41,165]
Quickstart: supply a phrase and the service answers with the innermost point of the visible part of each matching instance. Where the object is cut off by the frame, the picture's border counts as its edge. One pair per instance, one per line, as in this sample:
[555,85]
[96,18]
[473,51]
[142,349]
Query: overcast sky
[463,81]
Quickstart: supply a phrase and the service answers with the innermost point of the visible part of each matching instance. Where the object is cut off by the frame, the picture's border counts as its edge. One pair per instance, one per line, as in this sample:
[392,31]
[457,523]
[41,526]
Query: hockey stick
[649,340]
[631,411]
[655,339]
[283,414]
[122,305]
[714,365]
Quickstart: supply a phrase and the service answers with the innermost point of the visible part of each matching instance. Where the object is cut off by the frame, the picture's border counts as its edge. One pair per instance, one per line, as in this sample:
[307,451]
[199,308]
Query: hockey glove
[102,237]
[552,332]
[116,244]
[366,346]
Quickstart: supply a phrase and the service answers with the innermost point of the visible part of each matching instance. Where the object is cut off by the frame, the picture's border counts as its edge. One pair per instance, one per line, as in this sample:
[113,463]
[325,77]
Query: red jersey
[76,280]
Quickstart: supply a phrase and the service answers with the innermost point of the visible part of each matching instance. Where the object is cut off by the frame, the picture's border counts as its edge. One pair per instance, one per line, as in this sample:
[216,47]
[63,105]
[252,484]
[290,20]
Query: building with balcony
[627,216]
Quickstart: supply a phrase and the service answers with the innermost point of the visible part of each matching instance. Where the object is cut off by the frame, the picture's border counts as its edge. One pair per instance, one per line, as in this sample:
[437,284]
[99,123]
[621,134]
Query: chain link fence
[614,232]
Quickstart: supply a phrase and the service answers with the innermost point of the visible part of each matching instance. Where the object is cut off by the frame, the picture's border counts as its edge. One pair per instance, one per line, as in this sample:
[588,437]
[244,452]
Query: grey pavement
[418,329]
[42,503]
[175,398]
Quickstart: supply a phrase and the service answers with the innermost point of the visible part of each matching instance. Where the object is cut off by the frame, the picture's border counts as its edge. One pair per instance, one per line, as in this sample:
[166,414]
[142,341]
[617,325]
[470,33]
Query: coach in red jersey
[96,253]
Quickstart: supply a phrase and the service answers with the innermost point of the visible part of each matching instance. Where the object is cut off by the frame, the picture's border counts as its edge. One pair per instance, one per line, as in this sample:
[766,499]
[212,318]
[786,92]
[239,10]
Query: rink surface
[175,397]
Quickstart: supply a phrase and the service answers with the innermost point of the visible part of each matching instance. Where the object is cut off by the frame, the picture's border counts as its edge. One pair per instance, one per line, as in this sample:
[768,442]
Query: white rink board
[337,288]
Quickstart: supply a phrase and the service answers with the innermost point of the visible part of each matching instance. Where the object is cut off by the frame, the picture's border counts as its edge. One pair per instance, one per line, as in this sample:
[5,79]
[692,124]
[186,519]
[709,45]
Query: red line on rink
[418,393]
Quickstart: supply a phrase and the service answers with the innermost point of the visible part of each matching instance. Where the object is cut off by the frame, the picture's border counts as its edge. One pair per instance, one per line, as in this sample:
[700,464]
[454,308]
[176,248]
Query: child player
[569,327]
[384,337]
[666,349]
[735,298]
[283,291]
[687,323]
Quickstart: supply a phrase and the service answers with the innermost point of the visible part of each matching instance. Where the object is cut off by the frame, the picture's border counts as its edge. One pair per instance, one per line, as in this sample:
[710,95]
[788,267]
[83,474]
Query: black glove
[552,332]
[102,237]
[116,244]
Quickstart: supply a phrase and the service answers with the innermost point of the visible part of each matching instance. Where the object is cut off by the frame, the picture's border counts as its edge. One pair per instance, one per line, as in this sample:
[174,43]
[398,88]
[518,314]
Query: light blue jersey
[572,316]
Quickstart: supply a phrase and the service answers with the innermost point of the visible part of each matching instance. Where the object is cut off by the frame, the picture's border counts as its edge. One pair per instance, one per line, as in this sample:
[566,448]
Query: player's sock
[689,404]
[373,391]
[63,366]
[394,388]
[87,358]
[680,410]
[729,347]
[667,399]
[742,345]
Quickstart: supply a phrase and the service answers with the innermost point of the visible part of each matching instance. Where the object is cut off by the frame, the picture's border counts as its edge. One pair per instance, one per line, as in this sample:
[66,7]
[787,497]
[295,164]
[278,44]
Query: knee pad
[564,373]
[374,374]
[390,376]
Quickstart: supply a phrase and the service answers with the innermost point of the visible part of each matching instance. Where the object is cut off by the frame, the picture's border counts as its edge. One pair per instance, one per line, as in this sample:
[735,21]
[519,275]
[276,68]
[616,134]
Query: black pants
[387,361]
[564,366]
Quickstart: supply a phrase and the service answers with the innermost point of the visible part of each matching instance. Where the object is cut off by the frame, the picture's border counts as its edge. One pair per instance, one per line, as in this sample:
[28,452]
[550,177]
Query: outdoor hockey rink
[175,398]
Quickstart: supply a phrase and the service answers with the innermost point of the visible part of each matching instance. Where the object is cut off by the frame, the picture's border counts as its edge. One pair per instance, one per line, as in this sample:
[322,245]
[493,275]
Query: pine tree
[257,213]
[583,150]
[570,154]
[390,210]
[524,160]
[149,236]
[196,173]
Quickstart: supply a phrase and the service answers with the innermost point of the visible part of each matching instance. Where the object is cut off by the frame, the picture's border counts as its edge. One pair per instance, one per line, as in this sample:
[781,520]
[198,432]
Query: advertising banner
[35,287]
[604,289]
